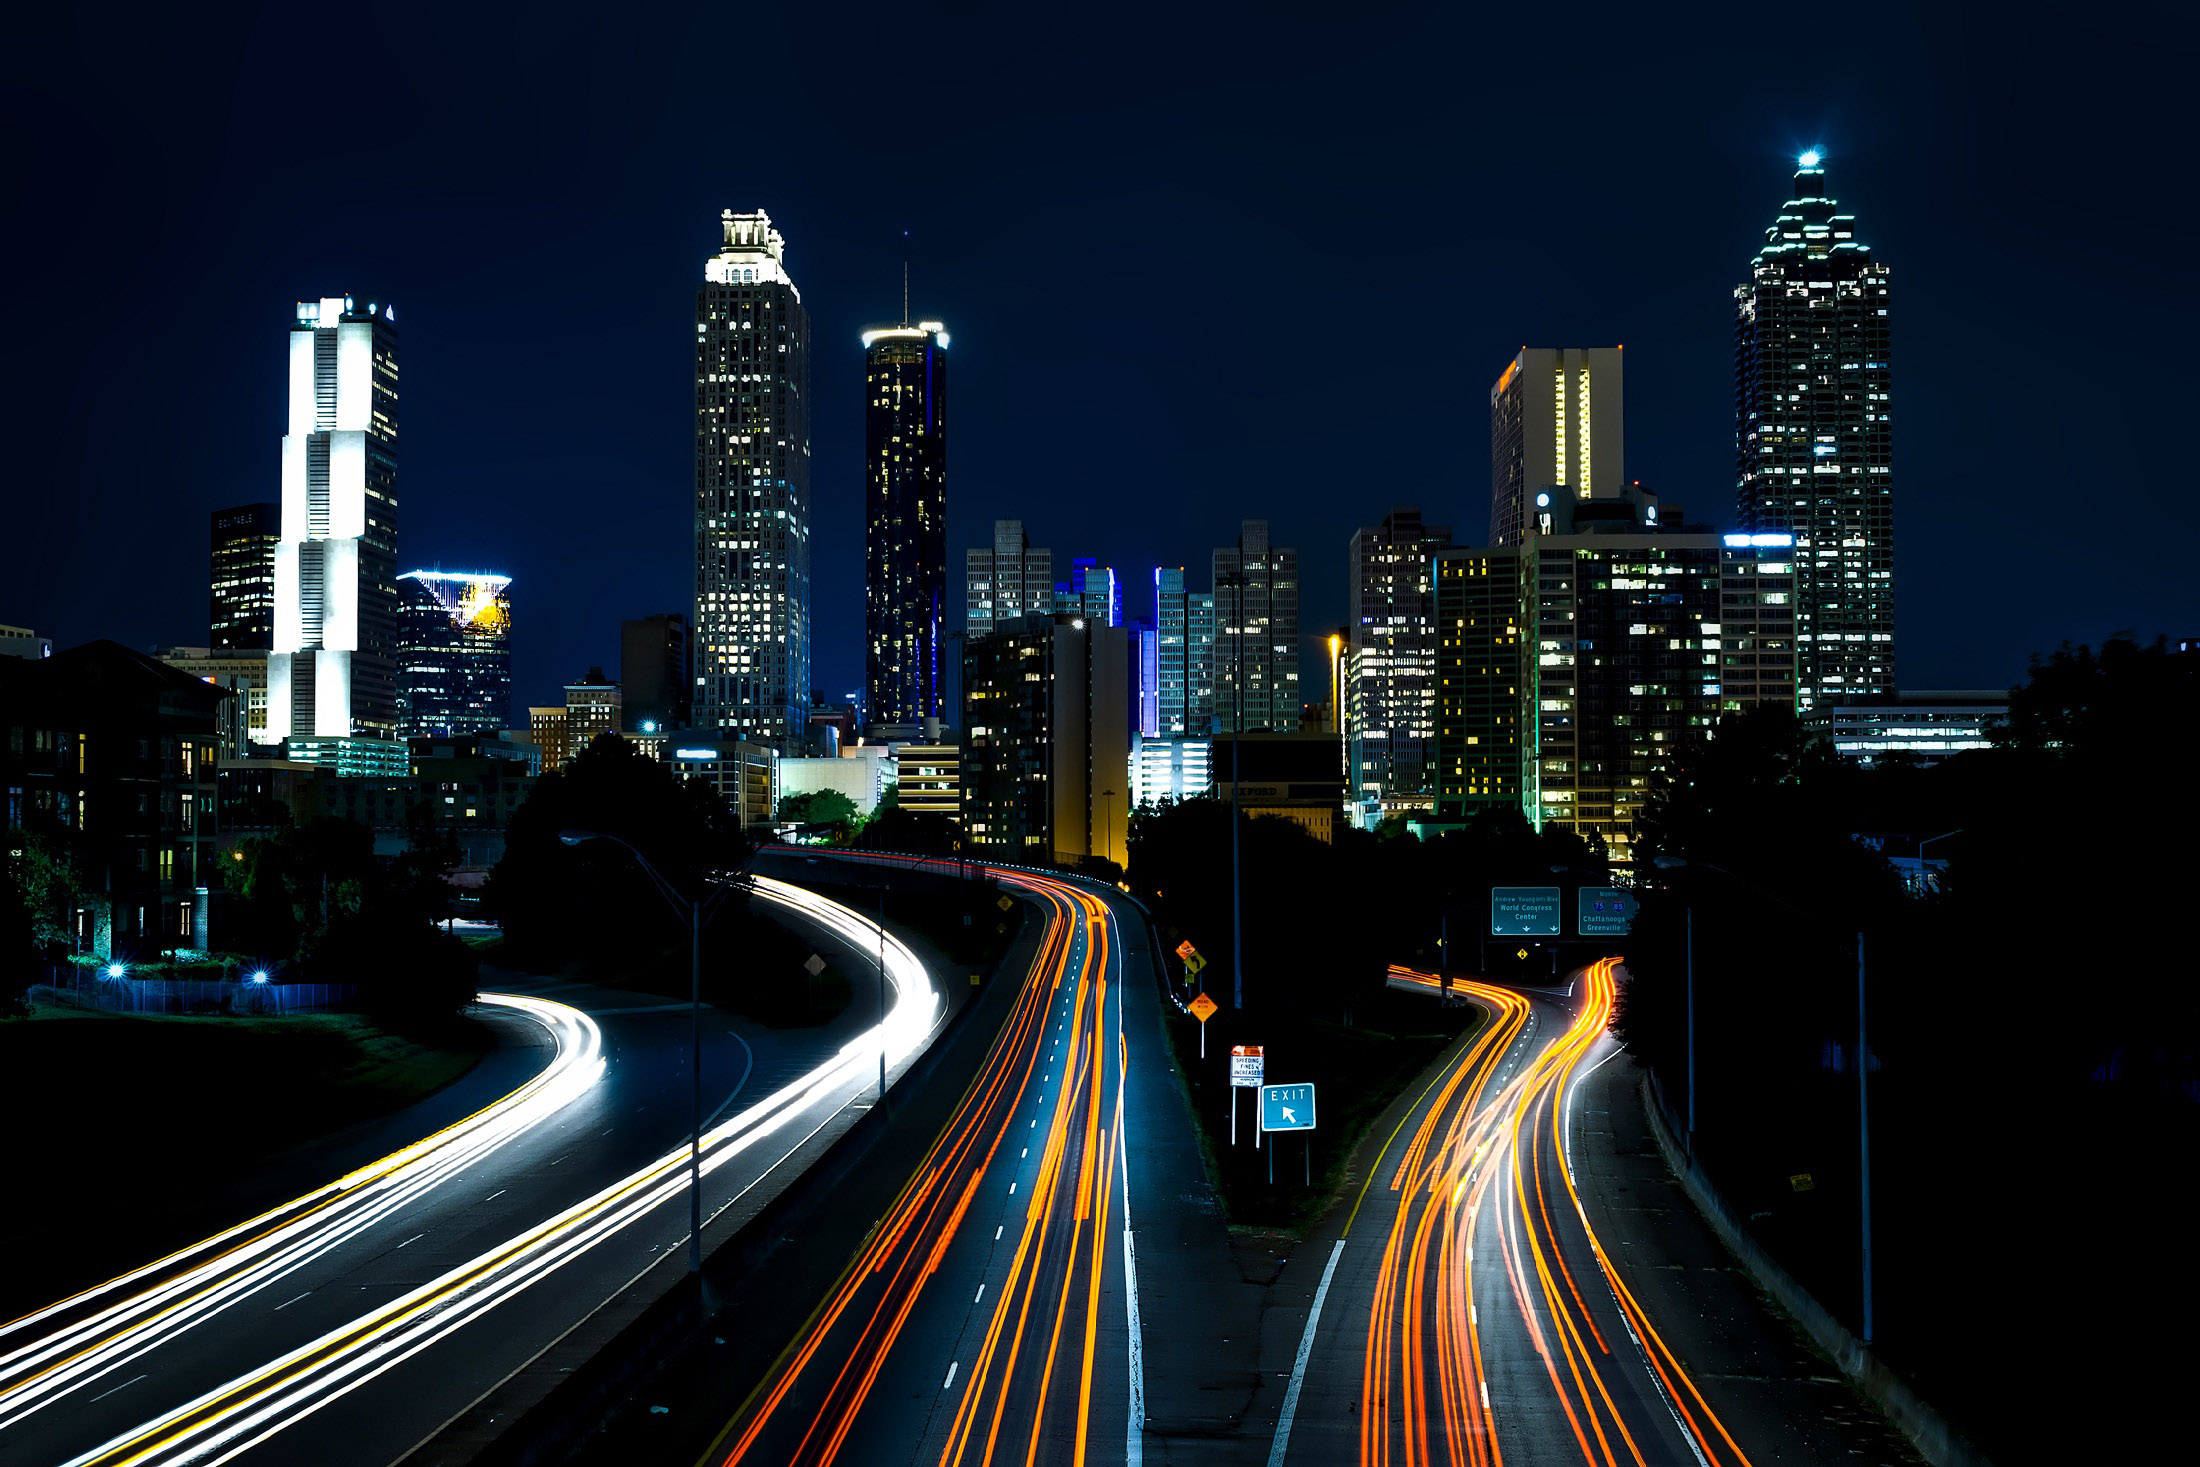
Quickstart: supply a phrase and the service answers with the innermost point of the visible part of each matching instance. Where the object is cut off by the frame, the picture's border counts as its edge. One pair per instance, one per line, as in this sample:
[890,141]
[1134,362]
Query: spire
[905,292]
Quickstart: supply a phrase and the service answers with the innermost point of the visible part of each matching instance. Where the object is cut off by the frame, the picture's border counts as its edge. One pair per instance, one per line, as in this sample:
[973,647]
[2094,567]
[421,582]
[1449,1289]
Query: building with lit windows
[1918,727]
[1756,628]
[752,490]
[1557,420]
[1479,744]
[454,652]
[905,518]
[1184,656]
[1092,591]
[1813,440]
[240,672]
[1256,634]
[1164,769]
[928,778]
[1046,740]
[241,576]
[1007,580]
[1389,674]
[332,669]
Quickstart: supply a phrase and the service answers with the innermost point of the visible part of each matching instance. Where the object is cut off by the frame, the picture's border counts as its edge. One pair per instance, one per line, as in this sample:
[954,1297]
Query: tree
[818,807]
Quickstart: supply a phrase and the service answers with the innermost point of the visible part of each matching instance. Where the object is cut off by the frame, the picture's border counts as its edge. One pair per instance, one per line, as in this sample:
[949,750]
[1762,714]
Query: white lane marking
[133,1380]
[981,1294]
[1485,1395]
[1027,1152]
[416,1237]
[1011,1189]
[287,1303]
[952,1367]
[499,1192]
[1298,1368]
[997,1233]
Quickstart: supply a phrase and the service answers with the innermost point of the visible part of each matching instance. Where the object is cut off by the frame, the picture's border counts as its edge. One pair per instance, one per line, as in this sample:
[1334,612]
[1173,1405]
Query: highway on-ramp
[349,1324]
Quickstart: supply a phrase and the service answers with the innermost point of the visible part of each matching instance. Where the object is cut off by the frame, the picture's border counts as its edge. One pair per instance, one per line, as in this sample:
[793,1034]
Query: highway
[990,1315]
[350,1323]
[1474,1314]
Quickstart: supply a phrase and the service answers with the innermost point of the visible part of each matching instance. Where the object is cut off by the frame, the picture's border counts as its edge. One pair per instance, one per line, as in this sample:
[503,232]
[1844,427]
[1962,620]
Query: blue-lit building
[454,653]
[1184,656]
[1092,592]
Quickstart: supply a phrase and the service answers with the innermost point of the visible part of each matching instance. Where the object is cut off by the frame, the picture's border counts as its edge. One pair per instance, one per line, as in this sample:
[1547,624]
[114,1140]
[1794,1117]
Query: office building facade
[1389,673]
[1557,419]
[1256,634]
[752,490]
[1184,656]
[241,576]
[454,653]
[1046,740]
[332,670]
[1813,441]
[1007,580]
[1093,591]
[1479,744]
[905,518]
[241,719]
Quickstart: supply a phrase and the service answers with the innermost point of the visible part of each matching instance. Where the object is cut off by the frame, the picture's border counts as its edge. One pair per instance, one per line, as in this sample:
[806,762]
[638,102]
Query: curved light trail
[1500,1148]
[1027,1392]
[245,1412]
[91,1333]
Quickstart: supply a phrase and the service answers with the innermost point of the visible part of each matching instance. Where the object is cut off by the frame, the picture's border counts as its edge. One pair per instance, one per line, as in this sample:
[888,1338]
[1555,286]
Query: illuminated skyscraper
[752,490]
[241,577]
[332,672]
[1092,591]
[1556,424]
[1256,634]
[454,653]
[1184,656]
[1006,581]
[904,518]
[1813,448]
[1390,675]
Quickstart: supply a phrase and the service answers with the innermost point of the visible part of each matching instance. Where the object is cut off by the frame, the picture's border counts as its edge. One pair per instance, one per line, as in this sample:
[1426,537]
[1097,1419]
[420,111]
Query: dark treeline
[2035,1072]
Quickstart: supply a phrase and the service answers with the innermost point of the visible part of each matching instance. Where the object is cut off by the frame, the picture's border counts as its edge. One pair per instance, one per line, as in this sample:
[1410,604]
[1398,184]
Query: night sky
[1195,270]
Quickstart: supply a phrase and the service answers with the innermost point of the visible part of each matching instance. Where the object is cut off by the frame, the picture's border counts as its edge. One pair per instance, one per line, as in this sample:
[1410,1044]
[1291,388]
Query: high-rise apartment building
[1390,664]
[653,669]
[1556,425]
[241,577]
[1007,580]
[1256,634]
[1046,742]
[1479,744]
[904,518]
[1813,445]
[592,707]
[332,672]
[1184,656]
[454,653]
[752,490]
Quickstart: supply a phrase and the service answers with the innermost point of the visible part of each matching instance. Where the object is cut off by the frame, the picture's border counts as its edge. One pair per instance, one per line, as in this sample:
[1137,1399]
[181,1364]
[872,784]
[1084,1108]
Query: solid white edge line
[1298,1367]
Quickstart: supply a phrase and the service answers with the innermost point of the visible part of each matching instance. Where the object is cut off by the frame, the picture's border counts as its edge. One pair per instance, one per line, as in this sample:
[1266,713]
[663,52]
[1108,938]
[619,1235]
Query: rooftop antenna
[905,280]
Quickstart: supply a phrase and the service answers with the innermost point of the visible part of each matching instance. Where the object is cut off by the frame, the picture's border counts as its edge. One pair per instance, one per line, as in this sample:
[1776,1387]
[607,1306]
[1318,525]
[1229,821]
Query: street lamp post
[1236,580]
[692,910]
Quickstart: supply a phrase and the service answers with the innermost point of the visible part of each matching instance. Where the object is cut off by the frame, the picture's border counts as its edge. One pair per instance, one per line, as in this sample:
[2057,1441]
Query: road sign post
[1202,1008]
[1247,1064]
[1288,1108]
[1526,911]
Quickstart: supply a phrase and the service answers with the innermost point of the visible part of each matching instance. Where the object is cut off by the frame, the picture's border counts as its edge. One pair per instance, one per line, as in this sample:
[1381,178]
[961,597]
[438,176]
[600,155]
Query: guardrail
[194,996]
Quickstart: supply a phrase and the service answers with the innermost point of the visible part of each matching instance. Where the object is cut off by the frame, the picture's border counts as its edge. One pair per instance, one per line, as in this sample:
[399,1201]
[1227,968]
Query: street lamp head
[259,975]
[575,837]
[116,970]
[1669,863]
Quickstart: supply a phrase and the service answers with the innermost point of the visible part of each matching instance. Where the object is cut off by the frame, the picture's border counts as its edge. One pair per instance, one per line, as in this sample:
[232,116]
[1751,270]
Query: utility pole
[1691,947]
[695,1070]
[1236,580]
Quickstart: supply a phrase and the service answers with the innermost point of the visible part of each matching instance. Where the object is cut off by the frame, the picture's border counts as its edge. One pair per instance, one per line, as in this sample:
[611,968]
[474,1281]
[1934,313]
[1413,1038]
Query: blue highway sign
[1526,911]
[1287,1107]
[1605,911]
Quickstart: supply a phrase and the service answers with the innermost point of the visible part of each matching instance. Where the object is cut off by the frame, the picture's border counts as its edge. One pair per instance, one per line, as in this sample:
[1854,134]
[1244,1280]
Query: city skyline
[1915,169]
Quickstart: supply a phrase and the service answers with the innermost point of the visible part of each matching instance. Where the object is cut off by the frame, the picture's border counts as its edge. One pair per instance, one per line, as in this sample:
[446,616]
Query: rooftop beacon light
[1810,158]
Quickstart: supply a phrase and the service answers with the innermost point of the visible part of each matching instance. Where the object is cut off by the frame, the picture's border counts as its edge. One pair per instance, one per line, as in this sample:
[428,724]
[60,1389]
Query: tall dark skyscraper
[653,669]
[241,577]
[1813,448]
[1256,634]
[904,518]
[454,654]
[332,673]
[1391,673]
[752,490]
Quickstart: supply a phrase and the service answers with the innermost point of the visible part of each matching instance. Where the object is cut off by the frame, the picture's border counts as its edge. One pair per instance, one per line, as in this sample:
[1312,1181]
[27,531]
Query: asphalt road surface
[990,1316]
[349,1325]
